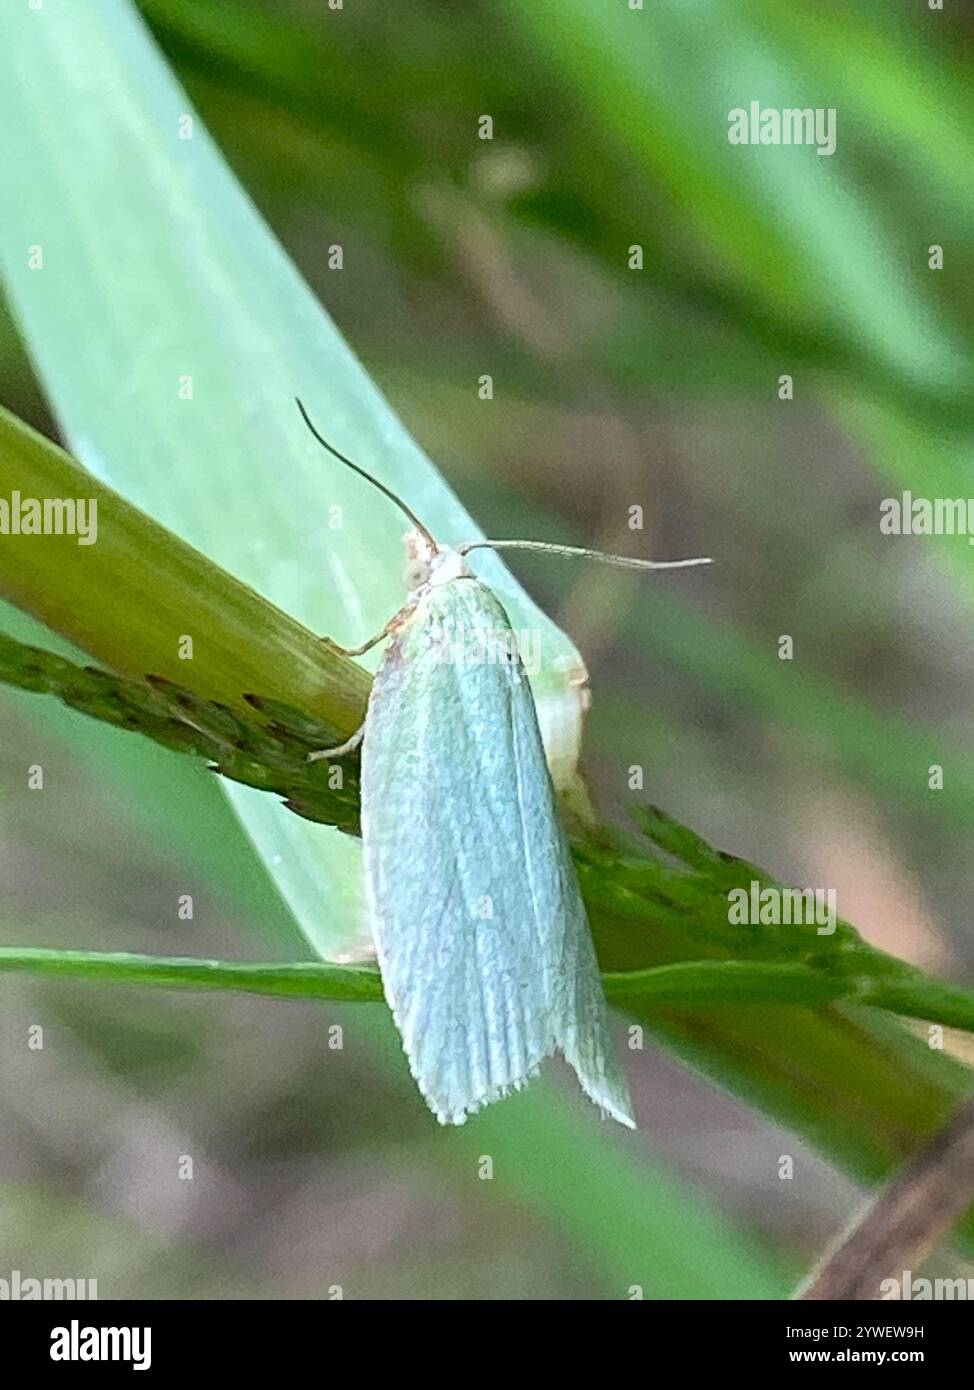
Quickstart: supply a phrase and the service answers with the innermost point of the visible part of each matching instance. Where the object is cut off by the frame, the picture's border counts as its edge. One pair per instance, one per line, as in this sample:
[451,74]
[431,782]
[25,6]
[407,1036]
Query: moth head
[420,555]
[427,563]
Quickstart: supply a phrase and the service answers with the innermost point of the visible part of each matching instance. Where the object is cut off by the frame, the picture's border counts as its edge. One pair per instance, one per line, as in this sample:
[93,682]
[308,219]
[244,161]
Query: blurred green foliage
[615,387]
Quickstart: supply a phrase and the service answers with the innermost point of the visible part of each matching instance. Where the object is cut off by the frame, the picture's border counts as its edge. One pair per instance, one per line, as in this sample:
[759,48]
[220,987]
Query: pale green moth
[481,934]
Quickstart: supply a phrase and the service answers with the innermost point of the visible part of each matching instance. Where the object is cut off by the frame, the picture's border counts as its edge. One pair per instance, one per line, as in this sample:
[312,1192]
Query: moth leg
[348,746]
[394,622]
[352,651]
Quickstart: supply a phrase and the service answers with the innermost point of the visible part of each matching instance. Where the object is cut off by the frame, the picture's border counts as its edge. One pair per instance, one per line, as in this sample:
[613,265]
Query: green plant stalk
[133,598]
[688,983]
[265,749]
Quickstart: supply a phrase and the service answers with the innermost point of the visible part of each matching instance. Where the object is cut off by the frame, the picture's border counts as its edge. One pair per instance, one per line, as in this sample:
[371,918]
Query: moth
[475,909]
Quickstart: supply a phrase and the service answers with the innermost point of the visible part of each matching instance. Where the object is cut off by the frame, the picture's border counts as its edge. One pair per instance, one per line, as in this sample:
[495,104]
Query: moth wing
[478,920]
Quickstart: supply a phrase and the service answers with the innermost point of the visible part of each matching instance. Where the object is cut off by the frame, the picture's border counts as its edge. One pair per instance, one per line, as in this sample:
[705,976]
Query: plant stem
[296,980]
[906,1222]
[686,983]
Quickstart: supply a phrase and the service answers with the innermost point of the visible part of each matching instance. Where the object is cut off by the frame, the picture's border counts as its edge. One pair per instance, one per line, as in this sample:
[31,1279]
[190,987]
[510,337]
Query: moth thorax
[448,565]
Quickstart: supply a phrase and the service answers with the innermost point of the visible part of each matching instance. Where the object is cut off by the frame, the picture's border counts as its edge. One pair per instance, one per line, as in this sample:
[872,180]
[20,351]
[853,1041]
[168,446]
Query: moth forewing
[479,924]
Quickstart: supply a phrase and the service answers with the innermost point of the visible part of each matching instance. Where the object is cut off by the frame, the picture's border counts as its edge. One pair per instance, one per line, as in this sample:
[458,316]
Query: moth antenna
[368,477]
[621,561]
